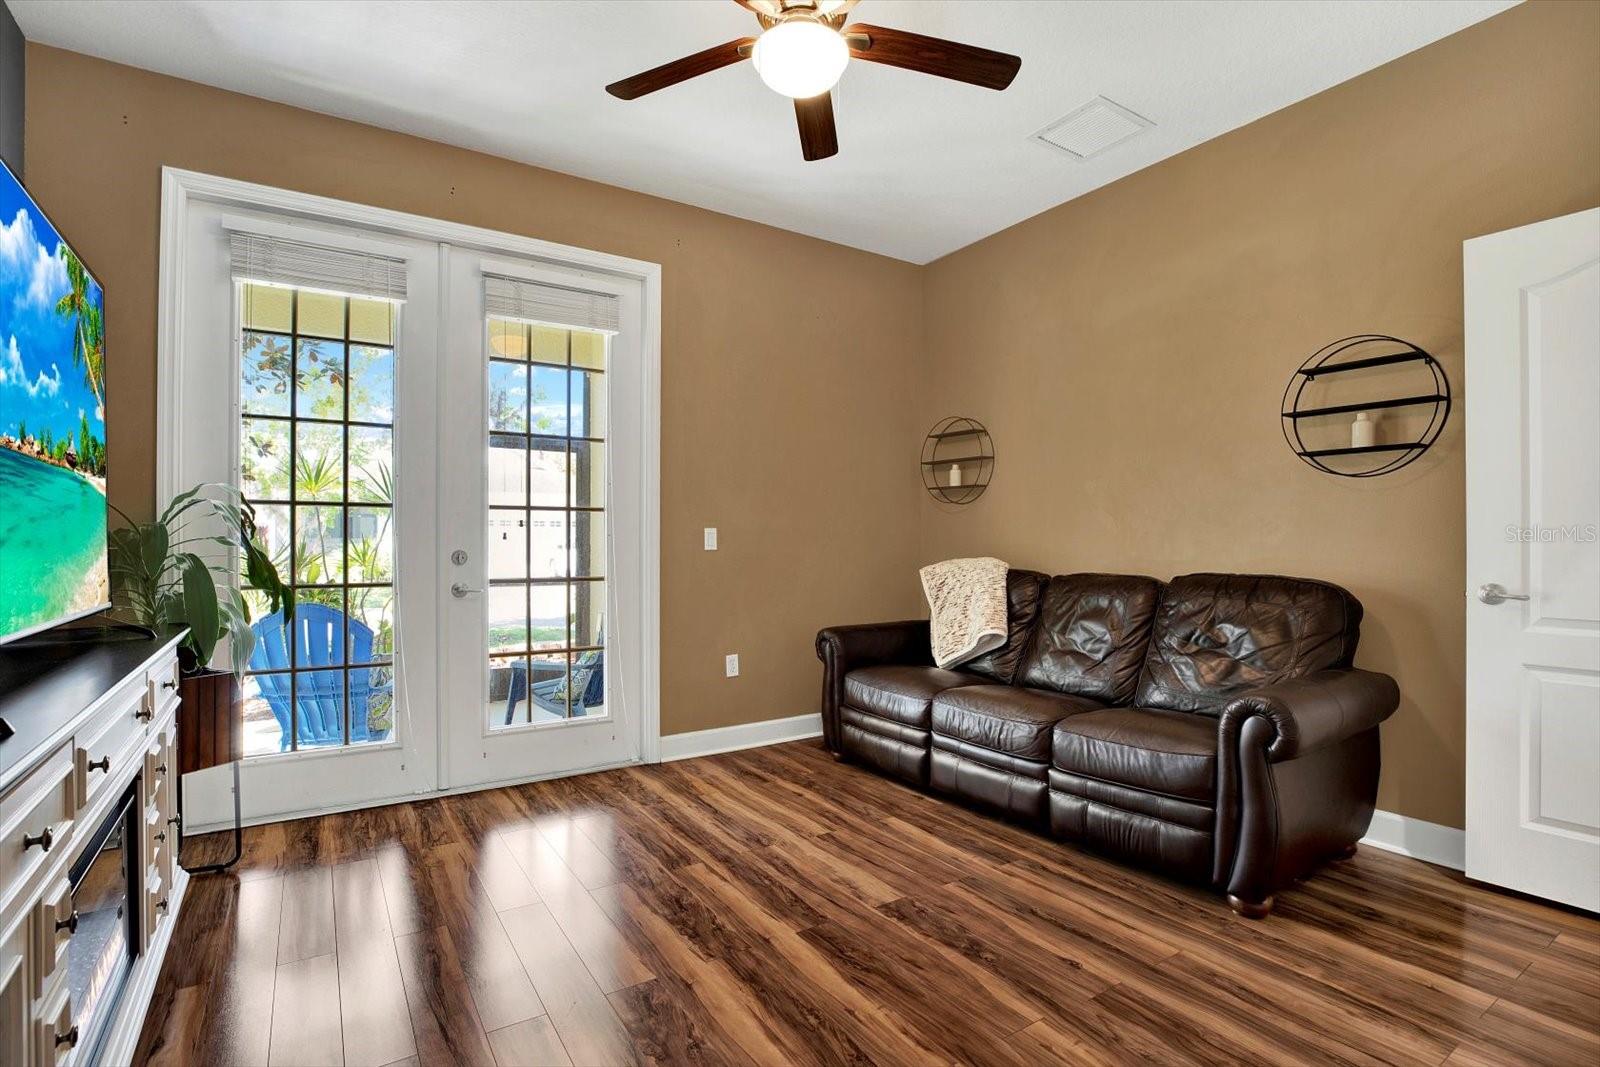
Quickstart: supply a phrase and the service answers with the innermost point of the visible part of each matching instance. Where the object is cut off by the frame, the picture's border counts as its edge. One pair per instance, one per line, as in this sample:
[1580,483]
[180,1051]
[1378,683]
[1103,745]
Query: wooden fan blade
[681,70]
[930,55]
[818,138]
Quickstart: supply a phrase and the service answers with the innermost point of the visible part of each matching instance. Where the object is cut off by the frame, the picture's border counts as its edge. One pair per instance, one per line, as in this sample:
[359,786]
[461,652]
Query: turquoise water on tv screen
[52,542]
[52,422]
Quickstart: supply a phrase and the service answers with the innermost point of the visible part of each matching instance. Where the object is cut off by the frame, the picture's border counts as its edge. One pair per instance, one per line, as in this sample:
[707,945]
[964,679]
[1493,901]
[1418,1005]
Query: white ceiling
[925,165]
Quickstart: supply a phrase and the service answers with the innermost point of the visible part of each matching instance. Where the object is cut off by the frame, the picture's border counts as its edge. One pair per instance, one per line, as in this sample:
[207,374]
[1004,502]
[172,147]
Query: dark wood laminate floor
[773,907]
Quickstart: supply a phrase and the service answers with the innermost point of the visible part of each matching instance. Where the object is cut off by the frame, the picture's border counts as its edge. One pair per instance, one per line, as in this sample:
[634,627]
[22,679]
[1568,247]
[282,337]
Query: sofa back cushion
[1092,634]
[1022,612]
[1217,635]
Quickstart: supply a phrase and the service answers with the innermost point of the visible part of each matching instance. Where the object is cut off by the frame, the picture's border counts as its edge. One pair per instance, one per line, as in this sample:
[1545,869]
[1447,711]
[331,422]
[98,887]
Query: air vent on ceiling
[1092,129]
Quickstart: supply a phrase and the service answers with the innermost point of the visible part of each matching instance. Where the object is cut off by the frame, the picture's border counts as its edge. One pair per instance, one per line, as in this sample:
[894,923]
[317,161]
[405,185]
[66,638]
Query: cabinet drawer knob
[161,905]
[44,839]
[101,764]
[175,820]
[144,714]
[69,924]
[69,1039]
[161,836]
[169,684]
[161,768]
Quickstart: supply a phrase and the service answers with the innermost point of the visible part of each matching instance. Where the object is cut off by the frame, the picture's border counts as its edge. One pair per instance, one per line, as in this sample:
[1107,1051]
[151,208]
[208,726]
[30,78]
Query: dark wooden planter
[209,733]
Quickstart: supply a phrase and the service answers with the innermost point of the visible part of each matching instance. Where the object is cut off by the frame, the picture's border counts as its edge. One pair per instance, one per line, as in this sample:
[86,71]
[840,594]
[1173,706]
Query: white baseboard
[1444,845]
[744,735]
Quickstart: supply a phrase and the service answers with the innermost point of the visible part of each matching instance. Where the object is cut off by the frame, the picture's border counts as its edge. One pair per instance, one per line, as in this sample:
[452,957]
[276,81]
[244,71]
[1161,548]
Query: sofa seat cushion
[1009,720]
[900,693]
[1173,753]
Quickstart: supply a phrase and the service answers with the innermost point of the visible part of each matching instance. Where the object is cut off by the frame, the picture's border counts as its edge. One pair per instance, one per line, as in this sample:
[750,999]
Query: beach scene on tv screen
[52,423]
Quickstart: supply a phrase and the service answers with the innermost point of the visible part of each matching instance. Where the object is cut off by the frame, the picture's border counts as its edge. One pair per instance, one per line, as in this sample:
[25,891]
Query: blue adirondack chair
[318,694]
[588,687]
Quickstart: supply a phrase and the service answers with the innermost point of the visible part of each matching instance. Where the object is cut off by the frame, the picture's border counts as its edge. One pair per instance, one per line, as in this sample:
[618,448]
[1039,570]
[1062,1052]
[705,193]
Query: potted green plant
[177,571]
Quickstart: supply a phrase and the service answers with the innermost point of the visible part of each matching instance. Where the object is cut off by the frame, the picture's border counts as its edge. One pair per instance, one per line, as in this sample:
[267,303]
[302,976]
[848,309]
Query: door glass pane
[548,400]
[508,618]
[588,474]
[265,368]
[265,709]
[320,314]
[371,625]
[319,375]
[318,546]
[587,613]
[588,404]
[508,470]
[508,543]
[319,461]
[547,533]
[508,396]
[588,546]
[370,538]
[371,702]
[547,476]
[547,614]
[371,464]
[546,523]
[264,459]
[371,384]
[311,364]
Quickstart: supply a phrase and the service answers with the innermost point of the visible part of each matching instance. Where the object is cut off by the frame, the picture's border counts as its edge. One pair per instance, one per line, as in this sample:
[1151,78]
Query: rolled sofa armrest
[1310,713]
[1297,778]
[842,649]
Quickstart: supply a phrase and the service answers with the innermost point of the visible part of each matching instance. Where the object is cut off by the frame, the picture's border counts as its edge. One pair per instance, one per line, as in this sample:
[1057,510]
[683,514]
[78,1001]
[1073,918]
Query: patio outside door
[541,519]
[451,454]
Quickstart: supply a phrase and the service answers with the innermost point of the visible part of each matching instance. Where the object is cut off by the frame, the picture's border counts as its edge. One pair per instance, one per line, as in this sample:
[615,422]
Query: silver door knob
[460,590]
[1495,593]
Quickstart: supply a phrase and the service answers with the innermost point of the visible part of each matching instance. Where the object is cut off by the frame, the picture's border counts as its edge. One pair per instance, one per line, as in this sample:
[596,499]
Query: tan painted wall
[1129,349]
[784,425]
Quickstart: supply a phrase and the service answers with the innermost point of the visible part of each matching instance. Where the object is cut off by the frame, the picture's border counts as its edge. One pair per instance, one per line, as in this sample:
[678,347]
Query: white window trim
[181,187]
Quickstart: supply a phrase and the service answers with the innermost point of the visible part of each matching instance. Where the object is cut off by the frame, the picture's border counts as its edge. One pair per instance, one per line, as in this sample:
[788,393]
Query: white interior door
[1533,560]
[543,473]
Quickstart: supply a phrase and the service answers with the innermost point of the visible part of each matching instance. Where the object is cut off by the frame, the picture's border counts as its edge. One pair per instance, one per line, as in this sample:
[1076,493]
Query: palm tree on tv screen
[88,335]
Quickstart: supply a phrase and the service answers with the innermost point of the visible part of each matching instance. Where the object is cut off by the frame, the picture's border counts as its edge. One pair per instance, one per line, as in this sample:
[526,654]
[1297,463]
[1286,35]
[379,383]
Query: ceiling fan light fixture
[800,57]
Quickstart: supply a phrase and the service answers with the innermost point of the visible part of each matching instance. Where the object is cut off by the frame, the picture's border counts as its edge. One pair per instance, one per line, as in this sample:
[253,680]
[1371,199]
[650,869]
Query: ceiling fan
[802,50]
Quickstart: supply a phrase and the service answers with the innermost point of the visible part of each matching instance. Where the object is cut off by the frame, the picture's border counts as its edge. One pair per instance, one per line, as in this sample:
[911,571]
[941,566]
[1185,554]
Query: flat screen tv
[52,424]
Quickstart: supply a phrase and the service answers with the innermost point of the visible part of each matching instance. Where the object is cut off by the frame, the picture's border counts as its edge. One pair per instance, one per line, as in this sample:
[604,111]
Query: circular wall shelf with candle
[957,460]
[1334,422]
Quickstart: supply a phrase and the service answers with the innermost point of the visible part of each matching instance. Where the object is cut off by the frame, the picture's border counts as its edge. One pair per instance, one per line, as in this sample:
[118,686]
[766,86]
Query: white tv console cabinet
[87,769]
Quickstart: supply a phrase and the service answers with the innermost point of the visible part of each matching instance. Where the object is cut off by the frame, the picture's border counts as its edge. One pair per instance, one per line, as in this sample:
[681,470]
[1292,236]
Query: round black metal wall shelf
[1354,355]
[961,445]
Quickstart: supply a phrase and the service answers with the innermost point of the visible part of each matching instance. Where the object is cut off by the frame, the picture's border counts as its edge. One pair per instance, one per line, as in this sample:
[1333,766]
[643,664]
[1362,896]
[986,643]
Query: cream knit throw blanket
[967,598]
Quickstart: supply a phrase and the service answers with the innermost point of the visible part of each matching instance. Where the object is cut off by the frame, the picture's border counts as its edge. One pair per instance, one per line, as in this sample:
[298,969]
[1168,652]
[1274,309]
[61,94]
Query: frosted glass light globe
[800,58]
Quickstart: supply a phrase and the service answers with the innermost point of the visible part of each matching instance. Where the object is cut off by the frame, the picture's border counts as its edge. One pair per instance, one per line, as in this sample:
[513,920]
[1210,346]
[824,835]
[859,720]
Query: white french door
[457,474]
[318,406]
[543,519]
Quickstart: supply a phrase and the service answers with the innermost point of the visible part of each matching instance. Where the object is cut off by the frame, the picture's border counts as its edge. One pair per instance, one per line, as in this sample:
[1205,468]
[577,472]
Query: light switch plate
[731,664]
[711,538]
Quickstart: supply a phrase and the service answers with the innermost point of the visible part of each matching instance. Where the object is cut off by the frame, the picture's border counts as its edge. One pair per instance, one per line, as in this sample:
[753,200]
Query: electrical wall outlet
[711,538]
[730,663]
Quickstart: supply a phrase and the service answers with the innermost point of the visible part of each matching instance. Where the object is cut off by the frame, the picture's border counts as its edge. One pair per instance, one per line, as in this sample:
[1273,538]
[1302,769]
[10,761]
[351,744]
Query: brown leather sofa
[1211,727]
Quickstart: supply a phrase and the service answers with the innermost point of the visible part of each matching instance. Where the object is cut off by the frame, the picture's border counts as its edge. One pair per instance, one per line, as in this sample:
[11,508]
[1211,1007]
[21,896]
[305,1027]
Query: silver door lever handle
[1495,593]
[460,590]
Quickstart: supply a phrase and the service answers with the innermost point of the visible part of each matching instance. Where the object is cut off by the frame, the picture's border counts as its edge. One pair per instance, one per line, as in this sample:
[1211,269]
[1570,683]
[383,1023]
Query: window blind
[512,298]
[276,261]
